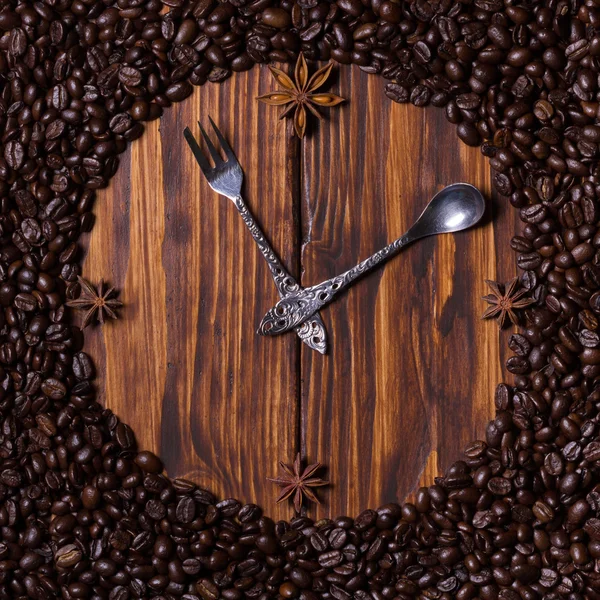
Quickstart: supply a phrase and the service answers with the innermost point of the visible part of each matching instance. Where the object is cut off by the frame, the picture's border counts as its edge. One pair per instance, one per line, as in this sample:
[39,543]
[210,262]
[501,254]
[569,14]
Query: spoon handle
[327,290]
[296,308]
[452,209]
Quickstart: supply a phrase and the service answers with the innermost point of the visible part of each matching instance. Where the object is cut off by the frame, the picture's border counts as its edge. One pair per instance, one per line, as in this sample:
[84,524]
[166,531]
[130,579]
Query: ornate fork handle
[296,308]
[284,282]
[310,331]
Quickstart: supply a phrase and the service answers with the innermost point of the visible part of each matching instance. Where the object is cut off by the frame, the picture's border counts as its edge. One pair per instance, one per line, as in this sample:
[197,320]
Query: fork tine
[204,165]
[213,151]
[226,148]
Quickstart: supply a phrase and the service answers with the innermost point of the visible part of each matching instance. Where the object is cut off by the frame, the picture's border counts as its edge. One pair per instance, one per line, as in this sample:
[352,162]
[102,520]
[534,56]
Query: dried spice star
[299,94]
[97,302]
[297,481]
[504,300]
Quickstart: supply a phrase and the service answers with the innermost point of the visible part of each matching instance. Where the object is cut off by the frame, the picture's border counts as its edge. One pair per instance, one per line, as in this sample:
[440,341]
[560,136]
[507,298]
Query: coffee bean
[330,558]
[82,366]
[207,589]
[91,497]
[124,436]
[525,573]
[68,556]
[499,486]
[156,510]
[18,42]
[319,542]
[420,95]
[276,17]
[397,93]
[149,462]
[130,76]
[14,154]
[186,510]
[543,512]
[469,134]
[543,110]
[178,91]
[25,302]
[54,388]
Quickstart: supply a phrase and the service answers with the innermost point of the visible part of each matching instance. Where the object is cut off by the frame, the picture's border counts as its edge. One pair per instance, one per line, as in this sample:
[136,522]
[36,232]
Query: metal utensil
[226,178]
[456,207]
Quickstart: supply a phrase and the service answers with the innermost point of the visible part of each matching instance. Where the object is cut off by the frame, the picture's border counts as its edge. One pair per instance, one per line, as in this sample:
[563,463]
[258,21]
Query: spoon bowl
[454,208]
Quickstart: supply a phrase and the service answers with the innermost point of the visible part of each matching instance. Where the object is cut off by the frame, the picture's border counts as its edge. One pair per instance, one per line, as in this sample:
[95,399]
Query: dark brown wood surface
[411,370]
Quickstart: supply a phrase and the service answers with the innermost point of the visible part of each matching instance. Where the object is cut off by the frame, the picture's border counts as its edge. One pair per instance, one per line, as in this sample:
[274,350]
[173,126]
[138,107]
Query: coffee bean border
[83,514]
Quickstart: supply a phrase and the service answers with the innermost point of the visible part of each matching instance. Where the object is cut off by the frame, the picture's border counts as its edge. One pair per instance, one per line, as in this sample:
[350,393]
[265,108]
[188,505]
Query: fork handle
[312,332]
[284,282]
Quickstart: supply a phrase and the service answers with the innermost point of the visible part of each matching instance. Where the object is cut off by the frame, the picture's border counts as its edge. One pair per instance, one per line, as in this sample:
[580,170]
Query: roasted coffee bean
[519,345]
[186,510]
[53,388]
[330,558]
[68,556]
[149,462]
[397,93]
[178,91]
[207,589]
[276,17]
[469,134]
[124,436]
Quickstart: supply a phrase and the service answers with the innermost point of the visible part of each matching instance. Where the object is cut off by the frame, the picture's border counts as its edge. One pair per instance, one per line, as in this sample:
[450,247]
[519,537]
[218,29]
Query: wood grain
[184,366]
[411,370]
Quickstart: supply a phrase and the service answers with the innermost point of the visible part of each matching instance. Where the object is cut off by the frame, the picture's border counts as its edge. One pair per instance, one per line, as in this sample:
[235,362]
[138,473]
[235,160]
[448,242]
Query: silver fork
[226,178]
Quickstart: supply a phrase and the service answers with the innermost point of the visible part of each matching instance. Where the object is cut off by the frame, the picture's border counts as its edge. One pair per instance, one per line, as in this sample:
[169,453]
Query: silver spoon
[456,207]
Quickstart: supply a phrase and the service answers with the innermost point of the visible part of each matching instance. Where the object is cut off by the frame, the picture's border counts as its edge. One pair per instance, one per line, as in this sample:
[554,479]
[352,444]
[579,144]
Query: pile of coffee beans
[84,514]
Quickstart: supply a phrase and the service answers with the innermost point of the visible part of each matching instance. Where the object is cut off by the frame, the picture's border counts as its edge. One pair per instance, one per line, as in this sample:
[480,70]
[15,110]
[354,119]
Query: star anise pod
[97,302]
[504,299]
[299,94]
[297,481]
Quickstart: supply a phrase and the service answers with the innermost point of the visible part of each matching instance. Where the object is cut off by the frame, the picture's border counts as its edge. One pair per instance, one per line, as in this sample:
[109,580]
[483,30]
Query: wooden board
[411,370]
[184,366]
[411,375]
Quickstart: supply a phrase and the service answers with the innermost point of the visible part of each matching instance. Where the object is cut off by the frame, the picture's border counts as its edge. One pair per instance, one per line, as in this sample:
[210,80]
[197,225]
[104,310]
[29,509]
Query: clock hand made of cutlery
[456,207]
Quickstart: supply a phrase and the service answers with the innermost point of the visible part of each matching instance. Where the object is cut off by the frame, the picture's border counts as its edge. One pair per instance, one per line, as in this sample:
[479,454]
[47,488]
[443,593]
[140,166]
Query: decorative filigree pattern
[296,308]
[313,333]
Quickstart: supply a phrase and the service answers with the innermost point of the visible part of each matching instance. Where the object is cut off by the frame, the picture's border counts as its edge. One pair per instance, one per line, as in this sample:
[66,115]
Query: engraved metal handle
[296,308]
[284,282]
[311,331]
